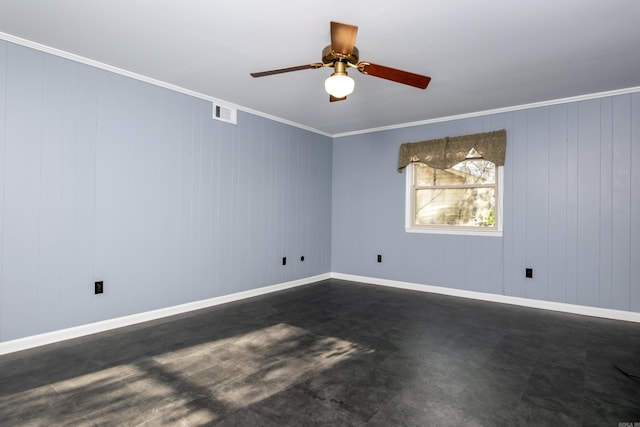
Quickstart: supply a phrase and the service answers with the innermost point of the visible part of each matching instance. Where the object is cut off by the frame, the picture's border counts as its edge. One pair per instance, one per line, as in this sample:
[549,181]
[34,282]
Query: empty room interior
[320,213]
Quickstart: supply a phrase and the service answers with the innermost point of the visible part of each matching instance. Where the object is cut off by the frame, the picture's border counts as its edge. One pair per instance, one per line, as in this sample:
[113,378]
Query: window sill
[487,233]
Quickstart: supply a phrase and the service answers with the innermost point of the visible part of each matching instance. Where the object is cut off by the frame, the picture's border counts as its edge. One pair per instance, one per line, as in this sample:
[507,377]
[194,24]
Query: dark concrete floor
[335,353]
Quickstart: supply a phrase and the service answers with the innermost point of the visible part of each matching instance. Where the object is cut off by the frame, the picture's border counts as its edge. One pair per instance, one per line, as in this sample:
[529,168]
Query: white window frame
[410,227]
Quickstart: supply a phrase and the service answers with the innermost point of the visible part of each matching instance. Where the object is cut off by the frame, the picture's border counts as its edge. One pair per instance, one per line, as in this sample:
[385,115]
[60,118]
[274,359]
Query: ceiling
[481,55]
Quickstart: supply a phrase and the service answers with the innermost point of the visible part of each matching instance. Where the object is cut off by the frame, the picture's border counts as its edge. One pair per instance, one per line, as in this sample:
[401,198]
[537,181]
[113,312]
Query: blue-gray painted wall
[103,177]
[571,208]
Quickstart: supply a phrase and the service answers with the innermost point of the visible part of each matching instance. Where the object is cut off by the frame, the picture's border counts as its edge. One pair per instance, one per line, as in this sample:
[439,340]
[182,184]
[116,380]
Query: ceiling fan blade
[286,70]
[399,76]
[343,38]
[334,99]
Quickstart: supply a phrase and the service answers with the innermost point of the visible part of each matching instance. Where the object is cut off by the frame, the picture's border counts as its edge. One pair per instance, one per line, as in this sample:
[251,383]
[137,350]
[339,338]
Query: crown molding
[585,97]
[146,79]
[107,67]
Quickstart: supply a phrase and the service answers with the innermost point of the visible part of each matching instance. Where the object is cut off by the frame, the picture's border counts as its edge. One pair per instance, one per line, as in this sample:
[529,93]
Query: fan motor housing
[329,56]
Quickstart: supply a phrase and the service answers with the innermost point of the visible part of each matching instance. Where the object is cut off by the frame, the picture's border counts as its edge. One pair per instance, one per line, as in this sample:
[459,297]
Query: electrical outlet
[99,287]
[528,273]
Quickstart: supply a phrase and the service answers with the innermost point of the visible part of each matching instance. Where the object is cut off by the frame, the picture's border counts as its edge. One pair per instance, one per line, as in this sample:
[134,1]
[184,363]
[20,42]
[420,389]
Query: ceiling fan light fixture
[342,54]
[339,85]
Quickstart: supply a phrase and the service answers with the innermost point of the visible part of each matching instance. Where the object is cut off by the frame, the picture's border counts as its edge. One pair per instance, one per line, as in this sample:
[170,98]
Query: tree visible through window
[464,196]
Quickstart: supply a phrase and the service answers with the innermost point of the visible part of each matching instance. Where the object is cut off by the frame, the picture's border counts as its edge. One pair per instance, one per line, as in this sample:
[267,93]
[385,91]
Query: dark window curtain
[446,152]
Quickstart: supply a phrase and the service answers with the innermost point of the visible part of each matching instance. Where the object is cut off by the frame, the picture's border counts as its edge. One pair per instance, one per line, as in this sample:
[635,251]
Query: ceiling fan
[342,54]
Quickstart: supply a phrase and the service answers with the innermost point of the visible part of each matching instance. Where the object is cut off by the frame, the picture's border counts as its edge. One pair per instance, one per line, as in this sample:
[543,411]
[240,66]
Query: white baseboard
[607,313]
[105,325]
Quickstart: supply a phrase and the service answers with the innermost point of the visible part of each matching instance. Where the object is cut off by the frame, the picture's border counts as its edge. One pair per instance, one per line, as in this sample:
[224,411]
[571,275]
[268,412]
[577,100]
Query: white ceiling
[481,55]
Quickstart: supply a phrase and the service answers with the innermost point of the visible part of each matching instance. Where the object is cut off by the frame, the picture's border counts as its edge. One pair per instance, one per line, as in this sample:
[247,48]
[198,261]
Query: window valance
[446,152]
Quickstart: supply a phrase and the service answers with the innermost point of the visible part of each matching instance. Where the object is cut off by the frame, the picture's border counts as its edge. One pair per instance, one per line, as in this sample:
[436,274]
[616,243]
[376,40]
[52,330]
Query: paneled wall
[571,208]
[103,177]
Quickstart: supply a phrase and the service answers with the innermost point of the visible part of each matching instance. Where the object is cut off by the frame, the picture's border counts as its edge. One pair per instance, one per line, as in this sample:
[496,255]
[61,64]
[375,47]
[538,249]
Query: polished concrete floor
[337,354]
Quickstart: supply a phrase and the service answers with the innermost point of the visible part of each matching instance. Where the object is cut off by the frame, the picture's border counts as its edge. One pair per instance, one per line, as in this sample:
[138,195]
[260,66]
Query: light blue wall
[571,208]
[103,177]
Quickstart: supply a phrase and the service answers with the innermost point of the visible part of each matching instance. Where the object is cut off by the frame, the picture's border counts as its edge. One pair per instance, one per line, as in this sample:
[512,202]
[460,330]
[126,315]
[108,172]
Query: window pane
[476,171]
[472,171]
[427,176]
[456,207]
[424,175]
[451,177]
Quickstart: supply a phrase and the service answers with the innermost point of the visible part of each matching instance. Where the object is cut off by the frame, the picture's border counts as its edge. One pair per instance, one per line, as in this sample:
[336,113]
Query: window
[465,197]
[454,184]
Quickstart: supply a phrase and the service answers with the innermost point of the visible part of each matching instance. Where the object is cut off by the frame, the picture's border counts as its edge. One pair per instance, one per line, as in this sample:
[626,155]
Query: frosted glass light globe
[339,85]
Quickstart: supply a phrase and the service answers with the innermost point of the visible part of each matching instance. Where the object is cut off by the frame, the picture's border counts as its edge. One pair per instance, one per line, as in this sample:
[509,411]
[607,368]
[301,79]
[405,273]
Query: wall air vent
[225,113]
